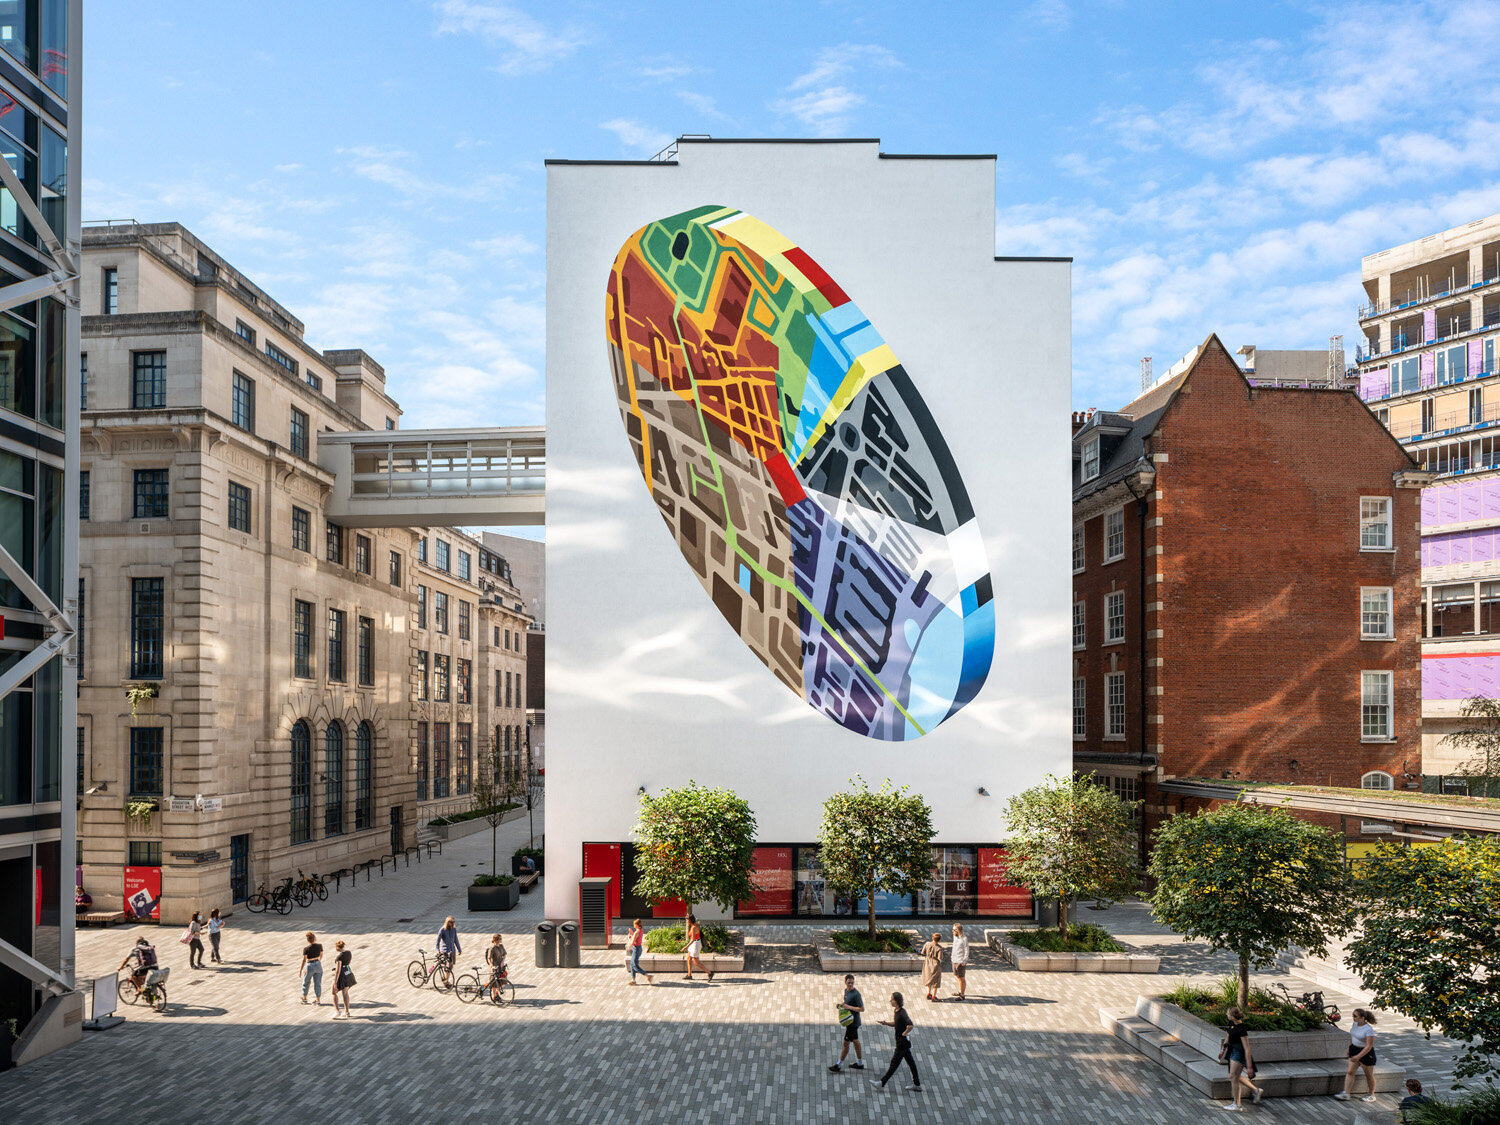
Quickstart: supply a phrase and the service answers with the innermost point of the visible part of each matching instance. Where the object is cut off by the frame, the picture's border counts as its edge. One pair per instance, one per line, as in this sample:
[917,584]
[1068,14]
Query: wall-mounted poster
[812,894]
[997,895]
[774,883]
[143,892]
[951,888]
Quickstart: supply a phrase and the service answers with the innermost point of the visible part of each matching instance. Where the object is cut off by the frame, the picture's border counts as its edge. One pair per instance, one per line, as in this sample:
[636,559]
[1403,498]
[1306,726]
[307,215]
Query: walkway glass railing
[1378,308]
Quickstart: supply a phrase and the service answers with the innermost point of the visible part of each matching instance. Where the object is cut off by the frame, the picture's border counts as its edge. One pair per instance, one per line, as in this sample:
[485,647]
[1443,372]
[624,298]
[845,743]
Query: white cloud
[525,44]
[824,101]
[393,168]
[1054,14]
[640,138]
[702,104]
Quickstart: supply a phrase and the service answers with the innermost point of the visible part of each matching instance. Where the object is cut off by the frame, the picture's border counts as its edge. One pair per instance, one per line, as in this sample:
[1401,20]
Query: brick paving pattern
[582,1046]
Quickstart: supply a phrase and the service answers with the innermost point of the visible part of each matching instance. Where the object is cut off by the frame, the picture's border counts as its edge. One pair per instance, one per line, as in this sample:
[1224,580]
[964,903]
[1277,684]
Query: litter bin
[1046,912]
[546,946]
[567,945]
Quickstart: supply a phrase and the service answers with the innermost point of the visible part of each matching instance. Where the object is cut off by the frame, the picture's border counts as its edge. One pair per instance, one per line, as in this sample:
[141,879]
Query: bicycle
[279,899]
[440,972]
[153,992]
[471,986]
[310,885]
[1312,1002]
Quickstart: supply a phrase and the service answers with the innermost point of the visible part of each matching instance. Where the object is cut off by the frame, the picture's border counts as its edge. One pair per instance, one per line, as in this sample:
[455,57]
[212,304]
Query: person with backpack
[144,955]
[850,1011]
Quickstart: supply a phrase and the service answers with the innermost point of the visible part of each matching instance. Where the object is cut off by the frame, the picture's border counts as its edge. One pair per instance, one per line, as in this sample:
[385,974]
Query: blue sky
[377,166]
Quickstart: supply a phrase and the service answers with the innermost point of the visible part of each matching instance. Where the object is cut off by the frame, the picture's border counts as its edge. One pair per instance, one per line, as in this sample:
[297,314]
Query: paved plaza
[582,1046]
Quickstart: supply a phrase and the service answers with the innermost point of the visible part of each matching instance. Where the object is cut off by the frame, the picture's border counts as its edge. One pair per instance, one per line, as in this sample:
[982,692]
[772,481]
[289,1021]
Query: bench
[527,879]
[101,918]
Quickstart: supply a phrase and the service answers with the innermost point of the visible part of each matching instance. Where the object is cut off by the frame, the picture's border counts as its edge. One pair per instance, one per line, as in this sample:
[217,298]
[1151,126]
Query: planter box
[468,827]
[730,962]
[1026,960]
[832,960]
[494,898]
[1267,1046]
[515,863]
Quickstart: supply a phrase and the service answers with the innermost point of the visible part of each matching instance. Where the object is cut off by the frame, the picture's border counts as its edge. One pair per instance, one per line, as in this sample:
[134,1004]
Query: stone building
[262,676]
[1245,564]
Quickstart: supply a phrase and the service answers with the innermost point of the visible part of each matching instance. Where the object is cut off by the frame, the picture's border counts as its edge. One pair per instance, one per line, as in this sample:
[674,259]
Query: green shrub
[1083,937]
[1264,1013]
[673,939]
[534,853]
[493,880]
[1460,1108]
[885,941]
[472,814]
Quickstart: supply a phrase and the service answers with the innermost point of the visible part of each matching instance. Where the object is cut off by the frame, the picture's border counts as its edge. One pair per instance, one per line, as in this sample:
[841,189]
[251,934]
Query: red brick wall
[1098,658]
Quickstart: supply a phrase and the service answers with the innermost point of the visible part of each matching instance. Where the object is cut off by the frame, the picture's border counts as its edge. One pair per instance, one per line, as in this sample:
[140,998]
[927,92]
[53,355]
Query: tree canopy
[1430,948]
[1479,741]
[876,840]
[1250,880]
[695,844]
[1071,838]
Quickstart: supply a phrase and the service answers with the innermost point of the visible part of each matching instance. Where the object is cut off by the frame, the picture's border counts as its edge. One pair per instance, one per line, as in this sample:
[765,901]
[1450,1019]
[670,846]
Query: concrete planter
[1268,1046]
[469,827]
[831,960]
[494,898]
[1030,961]
[730,962]
[515,863]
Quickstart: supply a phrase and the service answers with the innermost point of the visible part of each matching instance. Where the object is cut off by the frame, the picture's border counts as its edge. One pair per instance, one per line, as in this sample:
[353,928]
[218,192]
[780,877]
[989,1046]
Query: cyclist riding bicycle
[495,955]
[447,943]
[144,955]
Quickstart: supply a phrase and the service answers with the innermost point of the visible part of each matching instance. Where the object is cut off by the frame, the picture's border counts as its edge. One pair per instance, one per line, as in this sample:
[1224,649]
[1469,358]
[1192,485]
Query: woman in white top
[960,955]
[1361,1054]
[215,924]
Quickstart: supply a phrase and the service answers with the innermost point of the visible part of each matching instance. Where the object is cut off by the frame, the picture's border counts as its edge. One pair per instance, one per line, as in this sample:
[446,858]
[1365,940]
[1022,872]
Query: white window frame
[1114,618]
[1079,562]
[1114,535]
[1367,733]
[1114,682]
[1080,625]
[1377,827]
[1390,781]
[1090,464]
[1080,708]
[1368,522]
[1366,616]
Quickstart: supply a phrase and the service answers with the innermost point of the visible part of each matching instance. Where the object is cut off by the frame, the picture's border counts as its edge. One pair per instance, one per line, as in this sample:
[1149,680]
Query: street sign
[181,804]
[213,804]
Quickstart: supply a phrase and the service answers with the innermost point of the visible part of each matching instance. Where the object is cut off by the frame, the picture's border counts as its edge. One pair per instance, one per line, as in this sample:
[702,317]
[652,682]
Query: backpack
[147,955]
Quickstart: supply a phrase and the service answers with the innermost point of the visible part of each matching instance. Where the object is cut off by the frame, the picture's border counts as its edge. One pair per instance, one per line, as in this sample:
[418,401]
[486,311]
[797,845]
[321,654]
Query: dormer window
[1091,459]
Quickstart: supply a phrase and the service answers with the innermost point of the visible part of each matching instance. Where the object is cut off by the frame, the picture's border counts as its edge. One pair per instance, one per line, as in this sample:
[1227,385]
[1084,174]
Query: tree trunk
[494,845]
[1062,916]
[1244,993]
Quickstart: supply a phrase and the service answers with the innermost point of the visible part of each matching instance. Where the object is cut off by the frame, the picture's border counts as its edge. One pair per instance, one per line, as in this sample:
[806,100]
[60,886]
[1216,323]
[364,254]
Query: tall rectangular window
[507,689]
[422,762]
[1080,633]
[464,564]
[1080,708]
[463,750]
[83,381]
[78,645]
[334,540]
[364,813]
[239,507]
[152,494]
[110,291]
[315,381]
[1090,460]
[1114,617]
[421,607]
[422,549]
[362,554]
[1374,523]
[147,628]
[302,639]
[1375,619]
[336,646]
[520,699]
[1114,535]
[464,609]
[83,495]
[301,783]
[440,677]
[440,611]
[465,680]
[442,555]
[423,691]
[148,386]
[1078,561]
[367,651]
[395,572]
[439,759]
[1375,706]
[300,445]
[146,762]
[1114,705]
[301,529]
[243,403]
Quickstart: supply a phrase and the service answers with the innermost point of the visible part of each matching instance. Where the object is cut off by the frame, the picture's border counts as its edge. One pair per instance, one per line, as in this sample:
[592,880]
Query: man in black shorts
[854,1004]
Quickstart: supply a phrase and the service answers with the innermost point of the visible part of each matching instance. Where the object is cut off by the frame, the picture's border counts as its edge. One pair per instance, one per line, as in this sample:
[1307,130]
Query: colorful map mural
[800,472]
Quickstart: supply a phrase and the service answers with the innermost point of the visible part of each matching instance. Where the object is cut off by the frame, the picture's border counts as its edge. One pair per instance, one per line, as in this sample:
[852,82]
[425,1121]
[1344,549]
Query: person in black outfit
[903,1025]
[1241,1060]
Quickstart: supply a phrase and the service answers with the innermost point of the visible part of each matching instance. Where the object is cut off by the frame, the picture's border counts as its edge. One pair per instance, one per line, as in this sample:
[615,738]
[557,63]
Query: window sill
[1114,738]
[1379,741]
[1375,637]
[1377,550]
[1117,641]
[1117,558]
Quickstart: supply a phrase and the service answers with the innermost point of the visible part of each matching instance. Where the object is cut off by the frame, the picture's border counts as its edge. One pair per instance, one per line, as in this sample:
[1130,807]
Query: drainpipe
[1146,476]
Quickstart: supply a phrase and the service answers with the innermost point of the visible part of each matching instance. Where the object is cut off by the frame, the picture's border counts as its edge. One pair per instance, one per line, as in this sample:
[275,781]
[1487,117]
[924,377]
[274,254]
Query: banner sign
[997,895]
[143,892]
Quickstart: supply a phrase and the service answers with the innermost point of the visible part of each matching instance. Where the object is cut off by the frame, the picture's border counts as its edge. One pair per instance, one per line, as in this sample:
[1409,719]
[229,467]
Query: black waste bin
[546,946]
[1046,912]
[567,946]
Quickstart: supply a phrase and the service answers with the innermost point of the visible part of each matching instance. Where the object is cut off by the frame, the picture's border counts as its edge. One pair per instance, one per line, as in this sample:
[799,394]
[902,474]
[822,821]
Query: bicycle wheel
[320,889]
[443,978]
[257,902]
[283,904]
[416,974]
[504,994]
[468,988]
[126,991]
[159,998]
[303,896]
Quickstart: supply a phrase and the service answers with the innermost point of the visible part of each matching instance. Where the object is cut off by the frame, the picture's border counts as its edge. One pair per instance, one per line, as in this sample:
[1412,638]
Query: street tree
[1478,740]
[695,844]
[876,840]
[1430,946]
[1252,881]
[488,792]
[1071,838]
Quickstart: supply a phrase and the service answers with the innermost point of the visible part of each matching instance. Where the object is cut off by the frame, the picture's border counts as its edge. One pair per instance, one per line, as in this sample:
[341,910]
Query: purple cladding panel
[1435,551]
[1469,500]
[1461,677]
[1476,358]
[1482,546]
[1376,384]
[1429,326]
[1429,369]
[1490,505]
[1430,507]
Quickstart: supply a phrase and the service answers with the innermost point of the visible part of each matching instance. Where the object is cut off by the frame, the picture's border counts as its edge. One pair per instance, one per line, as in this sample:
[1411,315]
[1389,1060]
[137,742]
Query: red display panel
[143,892]
[604,860]
[773,879]
[997,895]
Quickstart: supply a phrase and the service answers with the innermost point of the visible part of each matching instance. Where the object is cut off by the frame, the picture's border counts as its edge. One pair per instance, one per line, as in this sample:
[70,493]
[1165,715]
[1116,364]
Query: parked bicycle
[1312,1002]
[311,885]
[439,973]
[153,992]
[471,986]
[278,898]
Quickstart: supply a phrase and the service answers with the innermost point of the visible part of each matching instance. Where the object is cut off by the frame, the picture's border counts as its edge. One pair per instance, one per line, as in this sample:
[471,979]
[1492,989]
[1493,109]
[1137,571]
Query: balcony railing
[1380,308]
[1401,344]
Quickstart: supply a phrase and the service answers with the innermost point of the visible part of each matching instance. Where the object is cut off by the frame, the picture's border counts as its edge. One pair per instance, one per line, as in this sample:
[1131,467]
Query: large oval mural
[800,472]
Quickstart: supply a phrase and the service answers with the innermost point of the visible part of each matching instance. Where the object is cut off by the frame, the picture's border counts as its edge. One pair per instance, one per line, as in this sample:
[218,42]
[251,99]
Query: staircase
[1328,973]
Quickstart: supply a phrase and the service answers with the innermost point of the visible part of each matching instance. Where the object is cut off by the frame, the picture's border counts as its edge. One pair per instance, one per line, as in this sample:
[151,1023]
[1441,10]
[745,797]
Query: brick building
[1246,598]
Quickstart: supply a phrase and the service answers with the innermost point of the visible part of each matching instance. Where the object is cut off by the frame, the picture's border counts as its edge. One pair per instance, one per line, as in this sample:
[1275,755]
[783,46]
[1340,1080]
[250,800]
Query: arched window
[364,739]
[1377,779]
[502,735]
[301,783]
[333,785]
[517,736]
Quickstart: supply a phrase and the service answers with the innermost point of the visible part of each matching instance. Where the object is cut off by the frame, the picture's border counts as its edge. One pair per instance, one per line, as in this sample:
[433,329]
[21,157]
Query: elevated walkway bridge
[436,478]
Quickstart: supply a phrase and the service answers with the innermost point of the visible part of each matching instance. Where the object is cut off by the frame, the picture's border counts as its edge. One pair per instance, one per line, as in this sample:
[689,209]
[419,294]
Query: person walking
[959,955]
[903,1025]
[495,957]
[852,1005]
[1361,1054]
[312,969]
[695,948]
[215,924]
[448,949]
[194,937]
[343,977]
[1241,1060]
[932,967]
[635,944]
